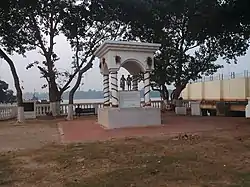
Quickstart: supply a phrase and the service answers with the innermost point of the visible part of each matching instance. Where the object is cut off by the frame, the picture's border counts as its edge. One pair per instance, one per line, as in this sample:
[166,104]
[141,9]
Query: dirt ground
[31,134]
[216,157]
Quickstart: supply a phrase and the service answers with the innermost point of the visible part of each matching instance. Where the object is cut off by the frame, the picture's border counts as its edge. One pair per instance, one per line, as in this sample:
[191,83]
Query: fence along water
[10,112]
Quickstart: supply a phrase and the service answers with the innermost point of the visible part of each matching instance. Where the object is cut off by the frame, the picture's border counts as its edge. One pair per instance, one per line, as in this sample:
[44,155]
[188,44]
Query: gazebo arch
[136,57]
[133,66]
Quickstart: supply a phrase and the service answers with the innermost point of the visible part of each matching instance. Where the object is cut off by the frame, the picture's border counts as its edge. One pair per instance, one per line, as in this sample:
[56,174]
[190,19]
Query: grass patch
[243,179]
[5,170]
[143,162]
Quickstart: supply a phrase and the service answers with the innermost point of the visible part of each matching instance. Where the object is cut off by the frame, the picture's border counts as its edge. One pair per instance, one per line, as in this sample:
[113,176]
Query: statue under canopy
[129,80]
[122,82]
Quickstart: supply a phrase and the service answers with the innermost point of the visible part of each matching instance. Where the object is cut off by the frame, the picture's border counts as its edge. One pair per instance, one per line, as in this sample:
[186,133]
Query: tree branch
[51,33]
[192,47]
[38,34]
[15,77]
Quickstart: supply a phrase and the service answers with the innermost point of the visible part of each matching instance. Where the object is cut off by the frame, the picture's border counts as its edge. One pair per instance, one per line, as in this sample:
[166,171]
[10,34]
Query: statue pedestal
[129,99]
[112,118]
[129,114]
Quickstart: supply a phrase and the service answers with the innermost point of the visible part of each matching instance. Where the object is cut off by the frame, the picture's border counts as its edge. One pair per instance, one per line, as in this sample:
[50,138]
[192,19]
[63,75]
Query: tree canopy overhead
[13,38]
[193,35]
[86,27]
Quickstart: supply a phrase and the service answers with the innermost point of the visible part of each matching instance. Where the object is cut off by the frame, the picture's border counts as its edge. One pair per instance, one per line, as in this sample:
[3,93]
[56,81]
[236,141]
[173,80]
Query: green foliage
[84,23]
[6,95]
[44,21]
[14,31]
[193,35]
[86,26]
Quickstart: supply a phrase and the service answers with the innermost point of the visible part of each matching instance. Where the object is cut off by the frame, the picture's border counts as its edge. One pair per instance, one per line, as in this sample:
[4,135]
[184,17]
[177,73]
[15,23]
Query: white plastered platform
[112,118]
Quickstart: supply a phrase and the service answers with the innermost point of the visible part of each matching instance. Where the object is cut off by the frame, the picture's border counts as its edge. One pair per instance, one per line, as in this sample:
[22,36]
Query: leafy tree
[3,88]
[44,23]
[14,39]
[86,27]
[192,35]
[34,24]
[234,16]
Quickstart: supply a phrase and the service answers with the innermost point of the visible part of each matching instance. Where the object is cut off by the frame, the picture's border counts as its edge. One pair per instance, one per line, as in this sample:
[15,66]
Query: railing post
[8,112]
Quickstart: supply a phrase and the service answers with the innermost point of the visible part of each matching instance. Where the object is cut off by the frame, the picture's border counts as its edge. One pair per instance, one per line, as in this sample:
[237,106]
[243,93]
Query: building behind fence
[233,87]
[231,75]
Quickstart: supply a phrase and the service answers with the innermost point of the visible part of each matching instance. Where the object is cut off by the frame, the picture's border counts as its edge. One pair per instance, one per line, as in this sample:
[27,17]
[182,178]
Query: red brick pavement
[87,129]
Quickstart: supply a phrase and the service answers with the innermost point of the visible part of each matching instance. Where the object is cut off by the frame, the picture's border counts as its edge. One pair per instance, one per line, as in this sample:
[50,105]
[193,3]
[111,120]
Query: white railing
[8,112]
[155,104]
[42,109]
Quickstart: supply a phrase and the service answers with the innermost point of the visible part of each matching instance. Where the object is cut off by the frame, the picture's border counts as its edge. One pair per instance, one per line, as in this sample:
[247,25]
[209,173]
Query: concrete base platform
[181,110]
[112,118]
[195,108]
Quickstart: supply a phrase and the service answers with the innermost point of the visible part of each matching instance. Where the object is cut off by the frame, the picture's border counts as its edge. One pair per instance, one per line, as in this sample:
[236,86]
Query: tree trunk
[54,98]
[53,89]
[76,86]
[71,96]
[58,103]
[53,101]
[165,97]
[177,91]
[19,94]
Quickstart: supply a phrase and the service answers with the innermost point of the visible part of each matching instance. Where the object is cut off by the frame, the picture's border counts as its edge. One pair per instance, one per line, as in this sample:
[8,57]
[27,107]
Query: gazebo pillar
[147,88]
[114,88]
[135,83]
[106,90]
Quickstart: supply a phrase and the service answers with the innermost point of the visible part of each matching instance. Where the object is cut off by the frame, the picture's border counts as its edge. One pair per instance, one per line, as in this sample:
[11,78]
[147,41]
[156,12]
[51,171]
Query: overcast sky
[92,80]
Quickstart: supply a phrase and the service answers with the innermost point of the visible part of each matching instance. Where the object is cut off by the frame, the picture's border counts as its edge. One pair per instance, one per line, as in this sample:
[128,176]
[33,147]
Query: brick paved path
[87,129]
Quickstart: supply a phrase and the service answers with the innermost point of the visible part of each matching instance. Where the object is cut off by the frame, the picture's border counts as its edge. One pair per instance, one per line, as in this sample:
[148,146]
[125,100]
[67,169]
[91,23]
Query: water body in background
[86,101]
[100,100]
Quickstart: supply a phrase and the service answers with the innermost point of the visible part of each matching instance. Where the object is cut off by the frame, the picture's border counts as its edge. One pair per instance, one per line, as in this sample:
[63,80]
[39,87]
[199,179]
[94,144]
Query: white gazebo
[124,109]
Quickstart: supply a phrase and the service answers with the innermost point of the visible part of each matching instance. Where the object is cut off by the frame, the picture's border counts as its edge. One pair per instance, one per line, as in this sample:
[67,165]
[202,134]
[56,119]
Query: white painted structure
[136,58]
[10,111]
[113,117]
[129,99]
[195,108]
[181,110]
[247,110]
